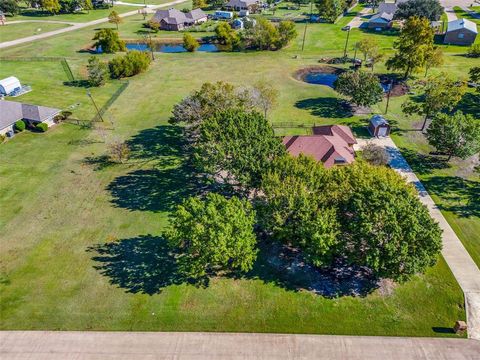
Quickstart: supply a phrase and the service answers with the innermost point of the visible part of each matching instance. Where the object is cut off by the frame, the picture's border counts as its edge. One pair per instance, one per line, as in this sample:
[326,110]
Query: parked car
[346,28]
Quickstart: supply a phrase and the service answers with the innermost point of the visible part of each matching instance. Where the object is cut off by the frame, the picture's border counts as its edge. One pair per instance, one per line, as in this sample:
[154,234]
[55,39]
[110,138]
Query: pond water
[320,78]
[172,48]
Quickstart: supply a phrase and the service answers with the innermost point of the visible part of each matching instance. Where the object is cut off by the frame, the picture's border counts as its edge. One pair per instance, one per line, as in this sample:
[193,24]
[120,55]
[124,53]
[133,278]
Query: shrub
[2,138]
[474,51]
[375,155]
[190,43]
[153,25]
[19,126]
[108,40]
[133,63]
[119,151]
[41,127]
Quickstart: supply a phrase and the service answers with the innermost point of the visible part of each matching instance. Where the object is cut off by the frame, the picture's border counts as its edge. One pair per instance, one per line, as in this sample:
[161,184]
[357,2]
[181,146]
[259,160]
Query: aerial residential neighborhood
[241,179]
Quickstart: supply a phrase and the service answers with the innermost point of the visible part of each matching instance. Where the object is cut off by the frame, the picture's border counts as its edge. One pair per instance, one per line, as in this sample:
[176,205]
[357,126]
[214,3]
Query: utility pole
[306,23]
[89,94]
[388,95]
[346,44]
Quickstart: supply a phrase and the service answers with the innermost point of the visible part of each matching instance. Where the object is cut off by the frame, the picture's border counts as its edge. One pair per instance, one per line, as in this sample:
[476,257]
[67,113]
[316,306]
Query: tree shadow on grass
[326,107]
[144,264]
[470,104]
[423,164]
[461,196]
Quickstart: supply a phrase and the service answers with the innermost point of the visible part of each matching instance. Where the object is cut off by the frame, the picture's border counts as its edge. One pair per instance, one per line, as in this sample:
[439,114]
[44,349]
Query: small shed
[237,24]
[9,85]
[461,32]
[379,126]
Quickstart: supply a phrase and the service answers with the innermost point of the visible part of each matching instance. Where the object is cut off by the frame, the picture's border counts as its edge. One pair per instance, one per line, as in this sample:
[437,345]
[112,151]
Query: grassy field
[462,14]
[81,238]
[16,31]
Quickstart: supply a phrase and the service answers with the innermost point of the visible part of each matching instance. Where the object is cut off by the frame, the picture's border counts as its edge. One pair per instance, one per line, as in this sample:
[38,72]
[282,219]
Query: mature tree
[264,96]
[213,235]
[199,4]
[330,10]
[296,209]
[366,46]
[227,36]
[429,9]
[97,71]
[265,35]
[109,41]
[375,155]
[475,76]
[413,46]
[236,147]
[114,18]
[190,43]
[433,59]
[385,226]
[133,63]
[441,94]
[375,56]
[286,33]
[9,7]
[361,88]
[52,6]
[455,135]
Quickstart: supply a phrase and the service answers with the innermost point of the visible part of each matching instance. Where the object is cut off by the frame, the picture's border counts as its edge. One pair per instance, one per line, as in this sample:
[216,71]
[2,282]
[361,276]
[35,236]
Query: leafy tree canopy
[9,7]
[330,10]
[429,9]
[109,41]
[362,88]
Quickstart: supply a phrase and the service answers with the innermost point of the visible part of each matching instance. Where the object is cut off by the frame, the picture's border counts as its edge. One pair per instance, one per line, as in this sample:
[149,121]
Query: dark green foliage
[296,209]
[227,36]
[190,43]
[213,235]
[19,126]
[361,88]
[375,155]
[266,35]
[430,9]
[97,71]
[385,227]
[474,51]
[330,10]
[109,41]
[9,7]
[455,135]
[237,147]
[41,127]
[475,76]
[133,63]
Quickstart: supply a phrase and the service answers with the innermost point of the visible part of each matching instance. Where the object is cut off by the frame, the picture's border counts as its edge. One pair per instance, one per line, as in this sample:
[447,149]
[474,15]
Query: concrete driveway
[50,345]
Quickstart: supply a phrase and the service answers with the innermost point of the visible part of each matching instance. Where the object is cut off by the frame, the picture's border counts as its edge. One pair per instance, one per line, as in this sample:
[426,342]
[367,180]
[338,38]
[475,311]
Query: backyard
[82,239]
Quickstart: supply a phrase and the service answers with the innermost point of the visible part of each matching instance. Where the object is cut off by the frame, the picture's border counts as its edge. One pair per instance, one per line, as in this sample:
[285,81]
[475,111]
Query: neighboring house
[239,5]
[330,144]
[389,7]
[379,126]
[173,19]
[237,24]
[12,111]
[461,32]
[381,21]
[9,85]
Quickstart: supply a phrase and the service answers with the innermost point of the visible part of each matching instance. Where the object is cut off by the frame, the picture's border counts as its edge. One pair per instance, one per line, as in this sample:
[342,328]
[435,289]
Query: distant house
[331,144]
[461,32]
[173,19]
[12,111]
[237,24]
[389,7]
[9,85]
[381,21]
[379,126]
[239,5]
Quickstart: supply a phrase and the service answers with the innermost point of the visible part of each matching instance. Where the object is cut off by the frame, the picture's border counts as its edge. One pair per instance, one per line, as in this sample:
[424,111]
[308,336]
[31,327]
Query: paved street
[77,26]
[51,345]
[463,267]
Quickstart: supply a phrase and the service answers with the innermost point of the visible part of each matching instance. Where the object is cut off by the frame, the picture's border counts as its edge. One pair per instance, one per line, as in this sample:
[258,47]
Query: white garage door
[382,131]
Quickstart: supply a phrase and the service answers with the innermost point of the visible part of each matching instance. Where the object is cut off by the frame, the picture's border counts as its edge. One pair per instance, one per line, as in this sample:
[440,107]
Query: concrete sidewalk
[464,269]
[77,26]
[50,345]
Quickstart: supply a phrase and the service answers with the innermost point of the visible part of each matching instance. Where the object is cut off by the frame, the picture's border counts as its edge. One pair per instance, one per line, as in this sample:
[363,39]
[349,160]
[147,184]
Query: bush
[133,63]
[41,127]
[109,41]
[2,138]
[19,126]
[375,155]
[190,43]
[474,51]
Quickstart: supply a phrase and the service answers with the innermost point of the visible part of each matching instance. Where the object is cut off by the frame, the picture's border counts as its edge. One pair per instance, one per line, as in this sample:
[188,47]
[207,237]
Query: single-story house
[9,85]
[461,32]
[239,5]
[381,21]
[389,7]
[379,126]
[330,144]
[173,19]
[12,111]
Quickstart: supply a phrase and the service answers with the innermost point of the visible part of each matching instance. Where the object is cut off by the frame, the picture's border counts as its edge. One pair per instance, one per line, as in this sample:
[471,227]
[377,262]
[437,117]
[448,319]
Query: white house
[9,85]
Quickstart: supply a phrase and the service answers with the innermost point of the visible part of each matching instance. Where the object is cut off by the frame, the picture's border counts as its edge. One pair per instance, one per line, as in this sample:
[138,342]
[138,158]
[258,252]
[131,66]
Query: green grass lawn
[16,31]
[62,200]
[462,14]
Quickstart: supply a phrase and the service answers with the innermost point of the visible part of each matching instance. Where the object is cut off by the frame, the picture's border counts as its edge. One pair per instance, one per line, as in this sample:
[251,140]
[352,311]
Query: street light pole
[89,94]
[388,95]
[306,23]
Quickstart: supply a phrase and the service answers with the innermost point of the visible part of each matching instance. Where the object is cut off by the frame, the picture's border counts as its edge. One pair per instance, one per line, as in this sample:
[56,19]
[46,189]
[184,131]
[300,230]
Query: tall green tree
[109,41]
[441,93]
[433,59]
[9,7]
[52,6]
[366,46]
[295,207]
[190,43]
[213,235]
[385,227]
[236,147]
[330,10]
[227,36]
[264,96]
[413,46]
[114,18]
[429,9]
[455,135]
[97,71]
[361,88]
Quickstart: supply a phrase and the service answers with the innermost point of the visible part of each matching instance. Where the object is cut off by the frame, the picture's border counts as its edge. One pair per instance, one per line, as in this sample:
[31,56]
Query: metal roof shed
[379,126]
[9,84]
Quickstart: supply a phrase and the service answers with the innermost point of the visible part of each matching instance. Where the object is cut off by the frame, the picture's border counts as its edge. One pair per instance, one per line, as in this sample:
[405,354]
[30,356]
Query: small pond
[319,78]
[171,48]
